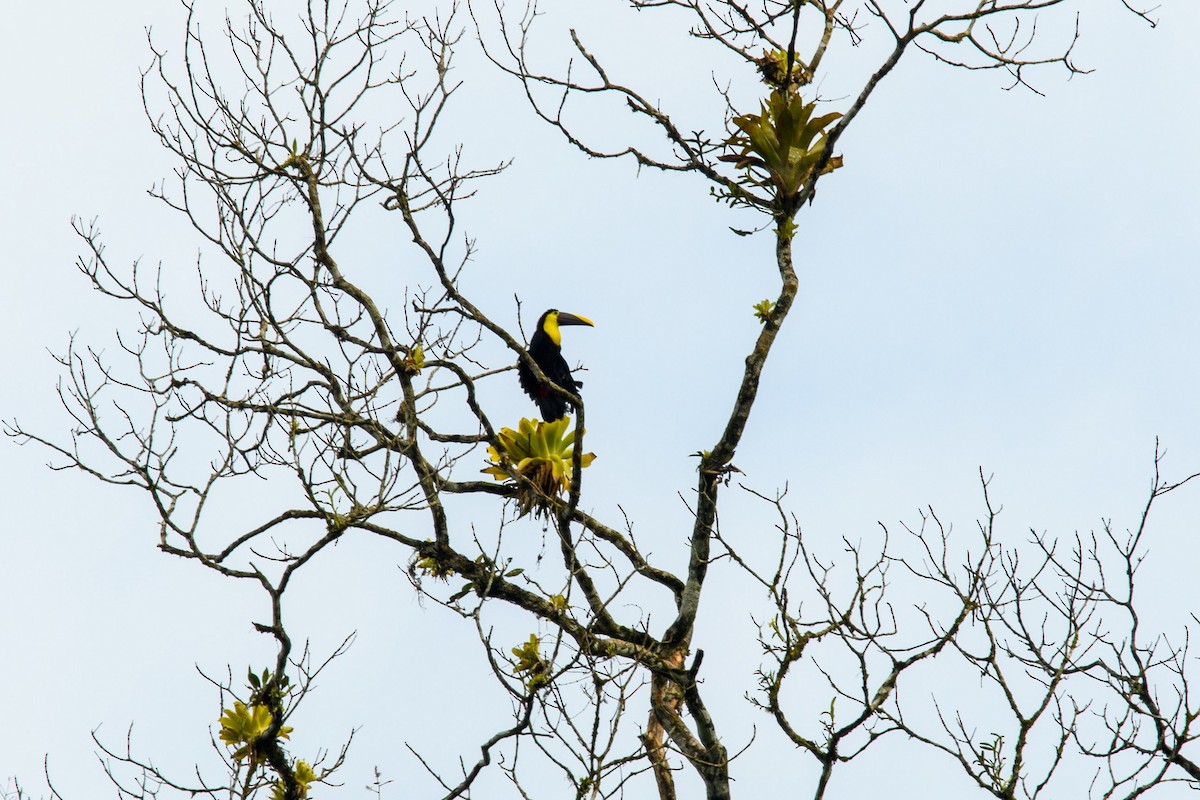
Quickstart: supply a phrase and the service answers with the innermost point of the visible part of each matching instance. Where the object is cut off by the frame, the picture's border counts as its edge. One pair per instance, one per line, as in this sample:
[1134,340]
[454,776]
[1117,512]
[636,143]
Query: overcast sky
[996,279]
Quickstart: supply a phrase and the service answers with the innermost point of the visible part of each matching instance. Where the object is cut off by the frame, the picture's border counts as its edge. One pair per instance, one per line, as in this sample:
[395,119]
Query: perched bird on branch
[546,350]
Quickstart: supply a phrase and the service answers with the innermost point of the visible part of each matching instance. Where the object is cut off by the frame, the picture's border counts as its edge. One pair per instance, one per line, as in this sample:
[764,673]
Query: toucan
[546,350]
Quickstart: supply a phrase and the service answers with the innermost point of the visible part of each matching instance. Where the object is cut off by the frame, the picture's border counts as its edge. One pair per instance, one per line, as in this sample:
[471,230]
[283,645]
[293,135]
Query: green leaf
[434,568]
[414,362]
[537,457]
[780,146]
[528,657]
[786,229]
[242,727]
[531,663]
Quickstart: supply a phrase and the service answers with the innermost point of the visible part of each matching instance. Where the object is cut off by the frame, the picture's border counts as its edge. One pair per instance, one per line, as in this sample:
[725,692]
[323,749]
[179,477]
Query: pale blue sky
[995,279]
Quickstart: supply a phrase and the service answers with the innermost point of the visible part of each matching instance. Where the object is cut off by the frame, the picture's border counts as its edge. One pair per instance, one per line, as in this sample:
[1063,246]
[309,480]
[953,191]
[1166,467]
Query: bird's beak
[570,319]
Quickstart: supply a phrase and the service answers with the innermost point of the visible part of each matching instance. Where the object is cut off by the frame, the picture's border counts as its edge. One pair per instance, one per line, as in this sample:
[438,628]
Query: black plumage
[546,350]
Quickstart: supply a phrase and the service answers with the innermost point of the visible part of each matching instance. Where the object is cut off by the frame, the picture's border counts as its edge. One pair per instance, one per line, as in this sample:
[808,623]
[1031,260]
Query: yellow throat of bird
[551,329]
